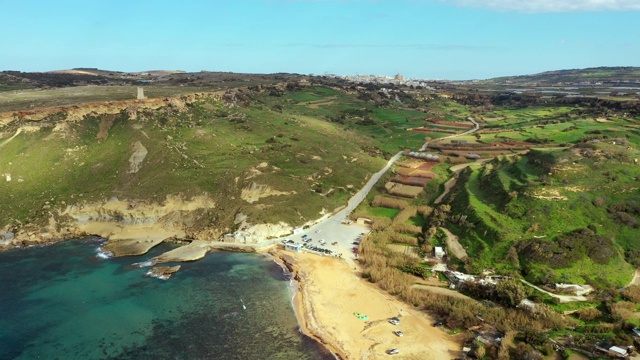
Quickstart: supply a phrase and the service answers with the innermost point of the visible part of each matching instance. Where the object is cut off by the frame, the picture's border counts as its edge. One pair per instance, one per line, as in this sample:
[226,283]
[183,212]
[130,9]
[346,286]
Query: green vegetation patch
[383,212]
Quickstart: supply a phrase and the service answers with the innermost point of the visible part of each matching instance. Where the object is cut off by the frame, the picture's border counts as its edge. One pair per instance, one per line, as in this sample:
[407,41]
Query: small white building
[438,252]
[293,247]
[575,288]
[527,304]
[618,351]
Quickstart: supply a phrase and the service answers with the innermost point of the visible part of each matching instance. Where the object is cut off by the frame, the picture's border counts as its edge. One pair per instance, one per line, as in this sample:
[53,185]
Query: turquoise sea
[63,302]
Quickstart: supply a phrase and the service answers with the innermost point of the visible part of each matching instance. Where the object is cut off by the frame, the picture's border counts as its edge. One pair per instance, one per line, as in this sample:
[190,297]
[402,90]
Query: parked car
[437,324]
[398,333]
[394,321]
[393,351]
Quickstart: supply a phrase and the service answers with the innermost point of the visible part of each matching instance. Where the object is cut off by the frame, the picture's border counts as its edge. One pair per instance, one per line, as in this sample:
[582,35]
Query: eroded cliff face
[133,227]
[79,112]
[143,224]
[126,212]
[122,220]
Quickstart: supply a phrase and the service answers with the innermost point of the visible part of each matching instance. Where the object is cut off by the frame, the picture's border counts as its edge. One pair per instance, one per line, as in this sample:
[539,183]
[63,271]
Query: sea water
[71,300]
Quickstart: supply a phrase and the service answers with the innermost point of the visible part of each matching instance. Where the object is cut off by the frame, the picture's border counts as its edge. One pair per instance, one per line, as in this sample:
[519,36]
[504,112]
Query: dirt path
[636,278]
[11,138]
[315,104]
[447,187]
[454,245]
[563,298]
[441,291]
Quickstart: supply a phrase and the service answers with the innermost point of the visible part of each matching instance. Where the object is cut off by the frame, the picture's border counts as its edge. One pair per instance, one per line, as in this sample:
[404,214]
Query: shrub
[632,293]
[424,210]
[511,292]
[405,214]
[380,223]
[621,311]
[402,239]
[407,229]
[570,248]
[588,314]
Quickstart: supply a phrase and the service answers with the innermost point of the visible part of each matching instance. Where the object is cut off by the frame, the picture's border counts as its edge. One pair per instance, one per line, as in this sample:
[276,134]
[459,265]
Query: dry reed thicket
[389,202]
[407,229]
[383,267]
[404,215]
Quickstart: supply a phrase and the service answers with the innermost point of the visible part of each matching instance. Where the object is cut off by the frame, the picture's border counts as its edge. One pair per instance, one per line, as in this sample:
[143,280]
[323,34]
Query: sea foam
[151,273]
[144,263]
[103,254]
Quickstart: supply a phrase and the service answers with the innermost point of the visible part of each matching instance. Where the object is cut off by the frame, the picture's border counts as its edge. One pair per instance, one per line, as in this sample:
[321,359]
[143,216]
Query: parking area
[332,238]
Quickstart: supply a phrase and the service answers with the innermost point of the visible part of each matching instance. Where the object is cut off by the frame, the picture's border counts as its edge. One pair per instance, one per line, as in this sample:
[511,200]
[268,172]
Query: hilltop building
[140,93]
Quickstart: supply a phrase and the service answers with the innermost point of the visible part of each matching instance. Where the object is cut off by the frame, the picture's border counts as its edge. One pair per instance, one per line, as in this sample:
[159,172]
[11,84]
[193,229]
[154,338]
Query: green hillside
[556,215]
[208,148]
[599,74]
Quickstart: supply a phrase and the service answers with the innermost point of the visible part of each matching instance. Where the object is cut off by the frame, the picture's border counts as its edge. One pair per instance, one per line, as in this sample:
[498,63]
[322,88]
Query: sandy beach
[330,292]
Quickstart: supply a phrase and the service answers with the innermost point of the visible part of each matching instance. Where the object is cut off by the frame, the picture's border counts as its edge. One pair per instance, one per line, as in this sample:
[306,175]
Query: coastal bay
[62,301]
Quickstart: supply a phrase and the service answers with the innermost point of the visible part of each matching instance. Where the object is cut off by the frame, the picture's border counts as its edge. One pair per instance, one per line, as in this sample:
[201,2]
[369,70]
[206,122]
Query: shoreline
[327,291]
[298,302]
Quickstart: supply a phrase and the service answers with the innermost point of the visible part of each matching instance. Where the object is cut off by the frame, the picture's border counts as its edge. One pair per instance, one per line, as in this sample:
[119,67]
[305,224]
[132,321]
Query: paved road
[331,229]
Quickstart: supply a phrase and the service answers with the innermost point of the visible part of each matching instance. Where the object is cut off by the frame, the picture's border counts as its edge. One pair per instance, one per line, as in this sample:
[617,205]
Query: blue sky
[452,39]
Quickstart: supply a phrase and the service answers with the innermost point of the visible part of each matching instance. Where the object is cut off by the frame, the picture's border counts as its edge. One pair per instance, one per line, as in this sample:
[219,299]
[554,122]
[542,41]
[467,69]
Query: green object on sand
[361,316]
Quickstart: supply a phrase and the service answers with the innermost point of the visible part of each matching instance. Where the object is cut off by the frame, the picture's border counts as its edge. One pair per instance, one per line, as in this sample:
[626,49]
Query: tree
[479,350]
[512,257]
[505,344]
[510,292]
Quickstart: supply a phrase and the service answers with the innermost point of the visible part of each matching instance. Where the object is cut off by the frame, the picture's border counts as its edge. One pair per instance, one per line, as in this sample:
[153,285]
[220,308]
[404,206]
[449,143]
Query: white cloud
[549,5]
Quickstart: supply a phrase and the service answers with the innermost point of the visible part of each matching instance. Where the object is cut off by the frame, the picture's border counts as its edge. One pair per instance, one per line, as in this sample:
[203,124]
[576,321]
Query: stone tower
[140,93]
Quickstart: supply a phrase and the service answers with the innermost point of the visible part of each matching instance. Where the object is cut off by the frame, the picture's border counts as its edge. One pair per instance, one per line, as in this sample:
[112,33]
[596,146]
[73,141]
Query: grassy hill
[307,149]
[599,74]
[553,215]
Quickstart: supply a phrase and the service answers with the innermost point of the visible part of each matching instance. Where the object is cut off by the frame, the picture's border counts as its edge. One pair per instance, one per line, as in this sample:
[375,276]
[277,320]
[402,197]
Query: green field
[383,212]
